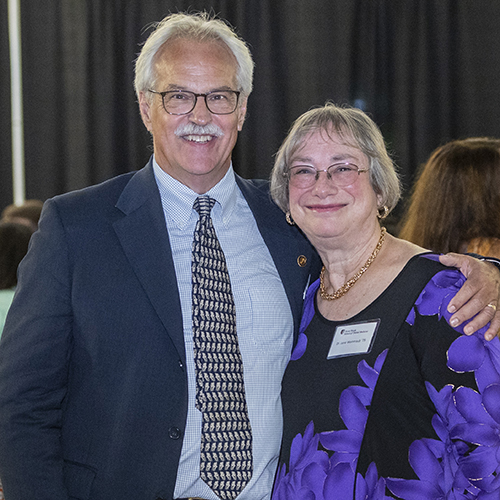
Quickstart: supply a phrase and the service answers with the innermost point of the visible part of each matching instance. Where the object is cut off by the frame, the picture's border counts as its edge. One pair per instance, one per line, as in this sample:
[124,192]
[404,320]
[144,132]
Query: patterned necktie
[226,436]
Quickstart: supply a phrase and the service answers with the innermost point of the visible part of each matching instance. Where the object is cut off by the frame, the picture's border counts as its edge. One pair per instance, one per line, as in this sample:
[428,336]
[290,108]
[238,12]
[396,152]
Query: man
[97,371]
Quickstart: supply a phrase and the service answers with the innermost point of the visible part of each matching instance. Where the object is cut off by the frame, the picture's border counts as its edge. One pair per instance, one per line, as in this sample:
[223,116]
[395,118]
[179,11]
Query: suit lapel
[144,238]
[143,235]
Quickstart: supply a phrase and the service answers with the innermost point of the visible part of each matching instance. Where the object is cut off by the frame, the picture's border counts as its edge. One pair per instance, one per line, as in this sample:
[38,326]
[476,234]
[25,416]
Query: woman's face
[325,209]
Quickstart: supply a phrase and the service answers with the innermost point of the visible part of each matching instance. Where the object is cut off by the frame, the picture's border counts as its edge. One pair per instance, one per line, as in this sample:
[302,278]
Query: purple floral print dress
[416,417]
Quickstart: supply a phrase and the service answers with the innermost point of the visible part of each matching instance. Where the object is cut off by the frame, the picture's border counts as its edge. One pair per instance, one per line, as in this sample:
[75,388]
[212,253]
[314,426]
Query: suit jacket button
[302,260]
[174,433]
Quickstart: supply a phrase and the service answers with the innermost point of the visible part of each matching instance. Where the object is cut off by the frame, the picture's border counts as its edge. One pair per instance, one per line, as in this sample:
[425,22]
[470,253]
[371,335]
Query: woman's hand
[479,295]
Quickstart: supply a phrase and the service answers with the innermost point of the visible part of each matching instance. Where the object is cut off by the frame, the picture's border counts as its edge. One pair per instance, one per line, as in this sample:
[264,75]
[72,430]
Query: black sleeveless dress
[379,399]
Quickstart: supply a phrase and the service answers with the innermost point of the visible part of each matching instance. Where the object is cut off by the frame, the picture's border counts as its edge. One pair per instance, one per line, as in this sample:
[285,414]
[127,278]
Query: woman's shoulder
[441,285]
[402,250]
[403,260]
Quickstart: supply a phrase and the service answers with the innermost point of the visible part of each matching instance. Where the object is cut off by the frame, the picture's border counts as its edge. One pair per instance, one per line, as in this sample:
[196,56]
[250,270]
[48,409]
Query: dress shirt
[264,325]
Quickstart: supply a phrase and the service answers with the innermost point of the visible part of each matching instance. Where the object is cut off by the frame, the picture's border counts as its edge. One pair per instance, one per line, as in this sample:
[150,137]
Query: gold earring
[289,219]
[383,212]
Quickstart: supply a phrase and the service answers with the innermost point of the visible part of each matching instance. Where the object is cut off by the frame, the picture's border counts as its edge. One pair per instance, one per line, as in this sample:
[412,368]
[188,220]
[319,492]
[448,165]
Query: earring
[289,219]
[383,212]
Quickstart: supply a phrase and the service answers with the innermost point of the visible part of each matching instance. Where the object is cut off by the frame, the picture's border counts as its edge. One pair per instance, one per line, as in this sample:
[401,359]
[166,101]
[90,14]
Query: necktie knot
[203,205]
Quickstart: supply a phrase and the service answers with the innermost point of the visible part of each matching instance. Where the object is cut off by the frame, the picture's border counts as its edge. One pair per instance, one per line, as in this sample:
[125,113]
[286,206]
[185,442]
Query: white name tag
[356,338]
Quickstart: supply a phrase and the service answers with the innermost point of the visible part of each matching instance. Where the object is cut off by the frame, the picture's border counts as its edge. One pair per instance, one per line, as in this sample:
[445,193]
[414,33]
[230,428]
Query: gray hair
[201,27]
[359,131]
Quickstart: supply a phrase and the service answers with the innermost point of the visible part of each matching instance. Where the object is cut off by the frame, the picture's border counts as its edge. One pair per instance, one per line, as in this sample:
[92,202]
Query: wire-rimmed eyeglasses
[182,102]
[341,174]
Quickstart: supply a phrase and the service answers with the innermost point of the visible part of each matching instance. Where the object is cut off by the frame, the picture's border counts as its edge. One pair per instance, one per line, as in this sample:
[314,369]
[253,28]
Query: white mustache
[193,129]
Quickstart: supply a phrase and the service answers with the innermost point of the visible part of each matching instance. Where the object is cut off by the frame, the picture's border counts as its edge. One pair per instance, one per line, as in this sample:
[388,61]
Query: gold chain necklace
[348,284]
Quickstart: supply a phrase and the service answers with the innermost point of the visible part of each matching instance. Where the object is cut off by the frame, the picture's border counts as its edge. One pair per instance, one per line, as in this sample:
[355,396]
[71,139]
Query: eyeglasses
[182,102]
[341,174]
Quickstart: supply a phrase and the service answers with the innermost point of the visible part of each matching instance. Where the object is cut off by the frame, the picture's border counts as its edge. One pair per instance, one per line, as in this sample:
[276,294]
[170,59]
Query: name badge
[356,338]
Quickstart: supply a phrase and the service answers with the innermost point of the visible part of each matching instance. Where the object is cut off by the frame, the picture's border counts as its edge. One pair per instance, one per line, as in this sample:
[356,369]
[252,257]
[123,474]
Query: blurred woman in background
[455,204]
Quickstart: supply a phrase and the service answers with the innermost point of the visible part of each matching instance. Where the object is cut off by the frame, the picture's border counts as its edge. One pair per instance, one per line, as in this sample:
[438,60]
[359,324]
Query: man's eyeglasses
[182,102]
[341,174]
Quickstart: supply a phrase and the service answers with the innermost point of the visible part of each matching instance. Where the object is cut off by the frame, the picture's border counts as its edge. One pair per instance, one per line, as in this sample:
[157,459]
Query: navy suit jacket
[93,387]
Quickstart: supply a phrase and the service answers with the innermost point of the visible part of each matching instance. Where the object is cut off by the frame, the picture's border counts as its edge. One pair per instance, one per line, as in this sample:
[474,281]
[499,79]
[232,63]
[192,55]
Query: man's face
[200,157]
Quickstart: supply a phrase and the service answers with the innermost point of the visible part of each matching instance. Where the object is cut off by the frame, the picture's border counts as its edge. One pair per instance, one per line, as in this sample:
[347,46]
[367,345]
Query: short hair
[28,212]
[199,26]
[358,130]
[456,197]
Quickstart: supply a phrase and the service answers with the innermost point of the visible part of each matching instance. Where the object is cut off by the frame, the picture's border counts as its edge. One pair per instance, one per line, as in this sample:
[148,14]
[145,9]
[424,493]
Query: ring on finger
[493,306]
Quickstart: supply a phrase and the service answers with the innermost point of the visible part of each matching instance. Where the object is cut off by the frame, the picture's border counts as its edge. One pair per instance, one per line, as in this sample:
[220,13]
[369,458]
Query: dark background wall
[427,71]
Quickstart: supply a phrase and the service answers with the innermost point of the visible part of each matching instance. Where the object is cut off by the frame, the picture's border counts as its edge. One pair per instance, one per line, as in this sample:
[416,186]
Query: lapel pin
[302,260]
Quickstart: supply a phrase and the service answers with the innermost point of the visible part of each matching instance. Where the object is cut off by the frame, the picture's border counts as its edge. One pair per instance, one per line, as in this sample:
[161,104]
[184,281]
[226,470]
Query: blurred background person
[455,203]
[27,213]
[14,240]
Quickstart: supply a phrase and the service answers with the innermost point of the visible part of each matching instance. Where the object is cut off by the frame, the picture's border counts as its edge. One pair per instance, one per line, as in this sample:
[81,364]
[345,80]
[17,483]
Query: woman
[455,205]
[370,383]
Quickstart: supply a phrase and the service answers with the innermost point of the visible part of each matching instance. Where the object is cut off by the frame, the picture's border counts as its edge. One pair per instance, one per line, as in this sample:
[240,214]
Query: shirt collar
[177,198]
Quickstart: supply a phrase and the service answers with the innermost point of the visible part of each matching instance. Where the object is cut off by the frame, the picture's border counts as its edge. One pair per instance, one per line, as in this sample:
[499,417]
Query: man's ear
[242,111]
[145,109]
